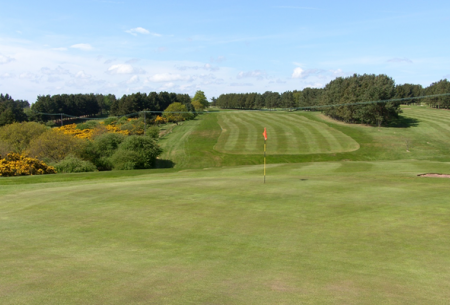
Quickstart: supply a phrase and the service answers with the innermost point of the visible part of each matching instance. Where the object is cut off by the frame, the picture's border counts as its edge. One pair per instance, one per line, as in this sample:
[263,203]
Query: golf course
[343,218]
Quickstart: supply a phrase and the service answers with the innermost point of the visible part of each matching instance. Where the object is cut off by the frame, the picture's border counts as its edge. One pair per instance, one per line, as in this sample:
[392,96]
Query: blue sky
[121,47]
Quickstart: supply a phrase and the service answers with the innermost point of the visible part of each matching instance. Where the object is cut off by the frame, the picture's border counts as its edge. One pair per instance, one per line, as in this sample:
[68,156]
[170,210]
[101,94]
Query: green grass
[423,134]
[288,134]
[315,233]
[359,227]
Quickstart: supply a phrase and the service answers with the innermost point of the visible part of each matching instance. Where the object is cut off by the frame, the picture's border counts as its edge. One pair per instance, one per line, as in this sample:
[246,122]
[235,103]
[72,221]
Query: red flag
[265,134]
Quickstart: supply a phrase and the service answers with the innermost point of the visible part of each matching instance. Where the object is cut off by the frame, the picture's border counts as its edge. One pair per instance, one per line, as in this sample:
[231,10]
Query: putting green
[288,133]
[315,233]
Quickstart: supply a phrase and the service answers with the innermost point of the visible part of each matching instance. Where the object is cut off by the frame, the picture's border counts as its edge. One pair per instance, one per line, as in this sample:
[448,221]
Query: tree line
[94,104]
[353,89]
[12,110]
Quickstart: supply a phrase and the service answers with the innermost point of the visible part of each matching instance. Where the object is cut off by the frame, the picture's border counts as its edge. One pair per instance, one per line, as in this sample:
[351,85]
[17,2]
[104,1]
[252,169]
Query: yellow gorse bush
[19,165]
[71,129]
[115,129]
[160,120]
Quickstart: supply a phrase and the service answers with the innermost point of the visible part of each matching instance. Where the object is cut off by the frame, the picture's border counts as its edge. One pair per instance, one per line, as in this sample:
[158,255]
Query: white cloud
[169,77]
[82,46]
[6,75]
[143,31]
[124,69]
[240,84]
[298,72]
[133,80]
[302,74]
[109,61]
[277,81]
[30,76]
[5,59]
[54,79]
[167,86]
[132,61]
[338,72]
[255,73]
[219,59]
[57,71]
[204,67]
[59,49]
[82,75]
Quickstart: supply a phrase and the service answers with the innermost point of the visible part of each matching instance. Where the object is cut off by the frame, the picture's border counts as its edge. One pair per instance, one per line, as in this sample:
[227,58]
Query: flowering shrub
[19,165]
[71,129]
[115,129]
[160,120]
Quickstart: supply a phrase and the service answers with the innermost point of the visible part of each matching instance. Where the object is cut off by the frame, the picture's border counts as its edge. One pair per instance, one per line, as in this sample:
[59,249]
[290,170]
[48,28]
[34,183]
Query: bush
[55,146]
[102,148]
[5,148]
[72,164]
[19,135]
[125,160]
[88,125]
[136,152]
[133,126]
[177,112]
[152,132]
[19,165]
[110,120]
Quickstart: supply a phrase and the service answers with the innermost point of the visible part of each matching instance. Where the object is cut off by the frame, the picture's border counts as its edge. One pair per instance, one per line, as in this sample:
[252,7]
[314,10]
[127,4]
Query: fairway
[289,133]
[233,138]
[315,233]
[359,227]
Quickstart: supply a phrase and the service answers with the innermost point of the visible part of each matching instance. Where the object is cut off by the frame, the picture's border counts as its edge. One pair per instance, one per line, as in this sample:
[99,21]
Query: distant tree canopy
[361,88]
[93,104]
[71,104]
[12,110]
[354,89]
[440,87]
[152,102]
[409,91]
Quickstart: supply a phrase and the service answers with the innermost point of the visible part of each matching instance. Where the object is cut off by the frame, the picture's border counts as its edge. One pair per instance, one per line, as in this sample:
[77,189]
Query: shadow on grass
[403,122]
[161,163]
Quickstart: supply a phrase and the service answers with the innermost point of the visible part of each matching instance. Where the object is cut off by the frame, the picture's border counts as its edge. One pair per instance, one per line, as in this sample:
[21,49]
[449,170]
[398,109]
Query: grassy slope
[193,144]
[288,133]
[316,233]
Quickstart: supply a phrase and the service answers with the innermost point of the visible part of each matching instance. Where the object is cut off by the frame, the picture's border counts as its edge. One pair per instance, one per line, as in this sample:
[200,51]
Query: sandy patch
[435,175]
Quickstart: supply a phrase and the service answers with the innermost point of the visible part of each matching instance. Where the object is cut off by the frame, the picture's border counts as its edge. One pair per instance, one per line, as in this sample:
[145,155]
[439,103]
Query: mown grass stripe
[260,120]
[292,143]
[276,131]
[288,134]
[230,142]
[248,140]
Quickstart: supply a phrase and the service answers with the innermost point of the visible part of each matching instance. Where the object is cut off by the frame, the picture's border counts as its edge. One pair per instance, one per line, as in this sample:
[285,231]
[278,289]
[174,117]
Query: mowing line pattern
[434,124]
[288,133]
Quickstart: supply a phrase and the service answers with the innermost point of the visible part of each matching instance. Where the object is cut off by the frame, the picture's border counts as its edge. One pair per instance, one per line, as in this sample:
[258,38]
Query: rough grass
[315,233]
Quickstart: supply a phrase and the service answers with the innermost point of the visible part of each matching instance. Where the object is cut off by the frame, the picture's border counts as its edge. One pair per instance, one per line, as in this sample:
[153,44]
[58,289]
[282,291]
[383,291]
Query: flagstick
[264,161]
